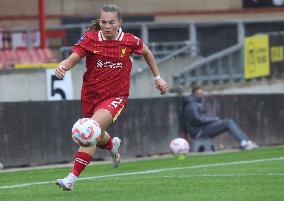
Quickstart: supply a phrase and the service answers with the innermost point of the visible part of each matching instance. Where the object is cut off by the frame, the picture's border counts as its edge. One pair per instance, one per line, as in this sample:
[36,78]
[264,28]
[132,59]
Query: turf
[236,176]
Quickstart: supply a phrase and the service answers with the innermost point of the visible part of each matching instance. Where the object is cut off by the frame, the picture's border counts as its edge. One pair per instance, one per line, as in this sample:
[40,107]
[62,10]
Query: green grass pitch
[256,175]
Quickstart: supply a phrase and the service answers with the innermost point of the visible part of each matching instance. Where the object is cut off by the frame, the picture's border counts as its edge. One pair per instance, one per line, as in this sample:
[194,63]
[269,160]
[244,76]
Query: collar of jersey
[119,35]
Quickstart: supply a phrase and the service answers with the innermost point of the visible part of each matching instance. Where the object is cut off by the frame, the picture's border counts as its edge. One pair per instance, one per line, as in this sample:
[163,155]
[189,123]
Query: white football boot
[65,185]
[68,182]
[114,152]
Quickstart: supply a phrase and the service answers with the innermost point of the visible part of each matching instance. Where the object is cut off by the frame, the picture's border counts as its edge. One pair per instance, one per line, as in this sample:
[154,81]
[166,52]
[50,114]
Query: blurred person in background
[106,82]
[198,124]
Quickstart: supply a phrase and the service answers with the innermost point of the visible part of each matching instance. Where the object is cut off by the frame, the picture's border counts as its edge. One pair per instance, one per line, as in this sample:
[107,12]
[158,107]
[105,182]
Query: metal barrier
[189,49]
[161,50]
[229,65]
[225,65]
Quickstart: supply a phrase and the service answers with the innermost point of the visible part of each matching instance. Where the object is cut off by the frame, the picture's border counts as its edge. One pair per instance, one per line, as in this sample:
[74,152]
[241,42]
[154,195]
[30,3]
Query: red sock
[107,146]
[82,159]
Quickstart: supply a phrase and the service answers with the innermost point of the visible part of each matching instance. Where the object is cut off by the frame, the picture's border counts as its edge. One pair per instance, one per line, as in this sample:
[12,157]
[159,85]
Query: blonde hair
[95,24]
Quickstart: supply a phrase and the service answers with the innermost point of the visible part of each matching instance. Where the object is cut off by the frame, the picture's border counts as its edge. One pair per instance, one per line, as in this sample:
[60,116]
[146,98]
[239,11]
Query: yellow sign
[39,65]
[256,56]
[277,53]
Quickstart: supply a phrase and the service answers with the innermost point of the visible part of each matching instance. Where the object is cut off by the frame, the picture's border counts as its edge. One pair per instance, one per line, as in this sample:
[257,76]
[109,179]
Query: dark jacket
[194,116]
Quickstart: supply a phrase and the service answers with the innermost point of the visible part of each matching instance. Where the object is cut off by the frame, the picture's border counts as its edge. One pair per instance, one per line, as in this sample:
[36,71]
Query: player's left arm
[150,60]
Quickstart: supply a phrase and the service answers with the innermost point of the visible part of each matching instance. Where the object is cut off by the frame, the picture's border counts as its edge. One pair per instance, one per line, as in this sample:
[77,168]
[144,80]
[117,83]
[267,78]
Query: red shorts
[114,105]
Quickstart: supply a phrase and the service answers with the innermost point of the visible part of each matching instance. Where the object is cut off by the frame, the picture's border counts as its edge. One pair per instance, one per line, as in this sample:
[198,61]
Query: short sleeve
[79,47]
[136,45]
[79,50]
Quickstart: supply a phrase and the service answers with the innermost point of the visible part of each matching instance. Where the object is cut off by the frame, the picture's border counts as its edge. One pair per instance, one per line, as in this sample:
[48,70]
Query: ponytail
[94,26]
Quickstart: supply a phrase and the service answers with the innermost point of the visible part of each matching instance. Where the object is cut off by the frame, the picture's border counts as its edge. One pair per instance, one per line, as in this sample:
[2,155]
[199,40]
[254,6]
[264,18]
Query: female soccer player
[106,82]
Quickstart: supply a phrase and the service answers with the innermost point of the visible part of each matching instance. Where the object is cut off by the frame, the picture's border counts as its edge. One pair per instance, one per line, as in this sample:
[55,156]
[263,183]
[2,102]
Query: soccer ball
[86,132]
[179,146]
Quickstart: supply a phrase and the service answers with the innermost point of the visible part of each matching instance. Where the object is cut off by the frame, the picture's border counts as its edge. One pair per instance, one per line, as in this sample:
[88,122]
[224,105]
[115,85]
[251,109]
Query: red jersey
[108,64]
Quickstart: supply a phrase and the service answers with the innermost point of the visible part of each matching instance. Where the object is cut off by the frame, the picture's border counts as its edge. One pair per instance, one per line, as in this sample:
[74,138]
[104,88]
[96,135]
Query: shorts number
[116,102]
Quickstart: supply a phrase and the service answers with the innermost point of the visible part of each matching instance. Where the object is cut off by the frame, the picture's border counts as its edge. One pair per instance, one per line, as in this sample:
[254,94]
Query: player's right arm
[66,65]
[79,51]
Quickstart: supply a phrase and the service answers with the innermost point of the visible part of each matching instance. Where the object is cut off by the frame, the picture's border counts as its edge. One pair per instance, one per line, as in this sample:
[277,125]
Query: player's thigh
[113,105]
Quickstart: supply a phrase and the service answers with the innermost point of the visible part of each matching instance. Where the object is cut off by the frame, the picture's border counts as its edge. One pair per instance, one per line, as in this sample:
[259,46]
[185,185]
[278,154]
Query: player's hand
[162,86]
[60,71]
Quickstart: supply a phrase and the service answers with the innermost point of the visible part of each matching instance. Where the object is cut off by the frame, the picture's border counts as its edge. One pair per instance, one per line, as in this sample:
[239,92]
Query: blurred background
[233,48]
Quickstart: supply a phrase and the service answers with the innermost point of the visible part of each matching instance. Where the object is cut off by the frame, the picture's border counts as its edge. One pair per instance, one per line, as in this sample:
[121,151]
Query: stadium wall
[26,16]
[32,85]
[35,133]
[87,7]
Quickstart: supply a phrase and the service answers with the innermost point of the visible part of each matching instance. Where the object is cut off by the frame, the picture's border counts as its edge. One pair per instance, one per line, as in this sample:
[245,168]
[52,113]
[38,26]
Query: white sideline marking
[206,175]
[228,175]
[158,171]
